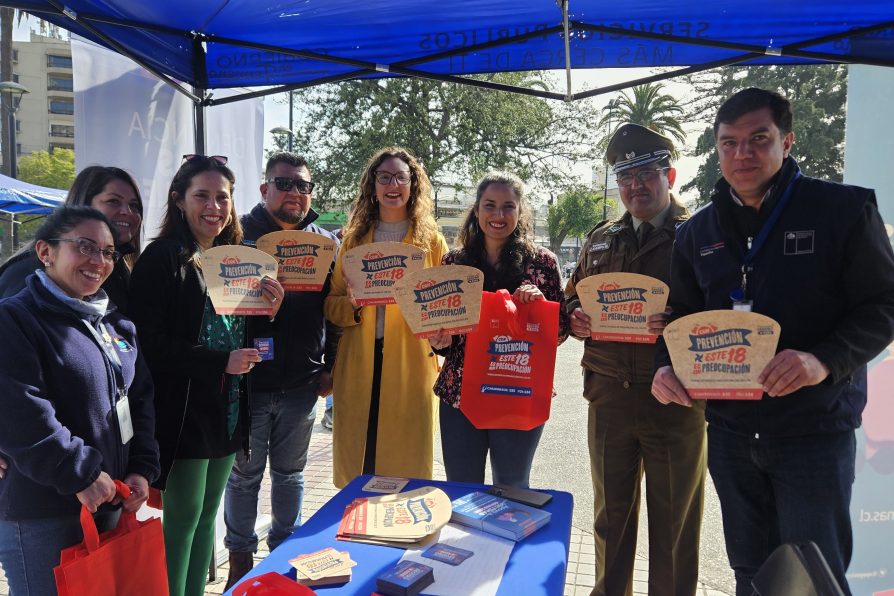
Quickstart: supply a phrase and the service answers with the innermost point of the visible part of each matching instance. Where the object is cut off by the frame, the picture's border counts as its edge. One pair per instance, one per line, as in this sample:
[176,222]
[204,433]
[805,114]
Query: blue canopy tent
[20,198]
[291,44]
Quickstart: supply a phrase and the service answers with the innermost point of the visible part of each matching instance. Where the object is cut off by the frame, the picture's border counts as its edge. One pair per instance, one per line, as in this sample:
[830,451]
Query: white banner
[869,141]
[126,117]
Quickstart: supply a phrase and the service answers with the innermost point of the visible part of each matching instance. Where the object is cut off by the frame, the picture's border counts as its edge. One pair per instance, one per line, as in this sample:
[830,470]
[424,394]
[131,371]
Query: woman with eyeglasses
[496,237]
[76,401]
[383,377]
[113,192]
[198,361]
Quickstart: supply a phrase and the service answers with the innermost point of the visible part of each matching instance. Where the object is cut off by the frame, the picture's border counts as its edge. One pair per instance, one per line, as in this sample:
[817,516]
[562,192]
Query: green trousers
[190,502]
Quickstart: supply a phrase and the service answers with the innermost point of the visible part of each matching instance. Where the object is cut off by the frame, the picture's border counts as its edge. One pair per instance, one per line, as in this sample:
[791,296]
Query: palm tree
[647,107]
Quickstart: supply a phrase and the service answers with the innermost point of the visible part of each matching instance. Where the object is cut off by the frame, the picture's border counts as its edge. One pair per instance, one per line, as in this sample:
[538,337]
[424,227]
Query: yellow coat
[407,410]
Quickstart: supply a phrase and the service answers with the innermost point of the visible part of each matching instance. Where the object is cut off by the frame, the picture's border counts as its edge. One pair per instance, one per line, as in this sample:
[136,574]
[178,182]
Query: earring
[46,263]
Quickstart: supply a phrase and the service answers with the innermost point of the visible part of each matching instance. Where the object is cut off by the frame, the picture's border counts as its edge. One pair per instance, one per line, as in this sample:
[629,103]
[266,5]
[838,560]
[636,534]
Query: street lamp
[282,130]
[612,106]
[11,94]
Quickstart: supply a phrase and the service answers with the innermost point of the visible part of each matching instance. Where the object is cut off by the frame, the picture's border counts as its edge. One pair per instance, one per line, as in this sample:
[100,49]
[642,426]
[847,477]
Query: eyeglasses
[88,248]
[285,184]
[385,178]
[220,160]
[626,179]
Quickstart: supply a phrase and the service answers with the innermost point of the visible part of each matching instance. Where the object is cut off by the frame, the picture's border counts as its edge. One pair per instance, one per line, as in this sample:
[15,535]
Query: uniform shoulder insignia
[597,226]
[615,228]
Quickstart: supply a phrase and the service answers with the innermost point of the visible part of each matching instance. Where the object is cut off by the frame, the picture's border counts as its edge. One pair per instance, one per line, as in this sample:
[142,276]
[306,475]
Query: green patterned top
[225,333]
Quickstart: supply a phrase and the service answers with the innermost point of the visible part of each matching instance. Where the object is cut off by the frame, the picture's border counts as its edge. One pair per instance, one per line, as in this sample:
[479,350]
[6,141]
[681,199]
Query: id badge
[264,346]
[125,425]
[738,298]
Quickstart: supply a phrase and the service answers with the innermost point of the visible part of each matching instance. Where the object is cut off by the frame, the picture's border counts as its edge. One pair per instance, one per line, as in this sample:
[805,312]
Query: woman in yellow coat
[384,414]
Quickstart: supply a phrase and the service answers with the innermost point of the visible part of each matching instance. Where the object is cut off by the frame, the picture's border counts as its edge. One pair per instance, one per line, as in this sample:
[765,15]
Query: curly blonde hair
[420,207]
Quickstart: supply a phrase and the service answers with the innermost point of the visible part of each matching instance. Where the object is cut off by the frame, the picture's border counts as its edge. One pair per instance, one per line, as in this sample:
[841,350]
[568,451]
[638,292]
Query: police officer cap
[633,146]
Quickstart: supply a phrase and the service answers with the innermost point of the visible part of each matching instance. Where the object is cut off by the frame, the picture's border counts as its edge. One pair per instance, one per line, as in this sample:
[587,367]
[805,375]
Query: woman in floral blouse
[496,237]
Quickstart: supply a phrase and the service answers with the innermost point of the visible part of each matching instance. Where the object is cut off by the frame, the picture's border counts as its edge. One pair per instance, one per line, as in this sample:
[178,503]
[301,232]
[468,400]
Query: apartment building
[45,118]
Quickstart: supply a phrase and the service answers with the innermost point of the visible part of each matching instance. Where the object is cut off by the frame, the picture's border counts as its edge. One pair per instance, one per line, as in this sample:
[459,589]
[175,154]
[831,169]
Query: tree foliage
[647,106]
[54,171]
[458,131]
[575,213]
[818,95]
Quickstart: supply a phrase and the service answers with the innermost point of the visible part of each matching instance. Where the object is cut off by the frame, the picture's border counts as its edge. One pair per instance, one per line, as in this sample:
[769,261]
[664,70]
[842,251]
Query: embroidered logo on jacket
[704,251]
[798,243]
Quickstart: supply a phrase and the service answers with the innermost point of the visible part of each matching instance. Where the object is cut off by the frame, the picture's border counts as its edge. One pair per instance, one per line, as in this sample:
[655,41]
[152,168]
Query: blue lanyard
[758,243]
[112,357]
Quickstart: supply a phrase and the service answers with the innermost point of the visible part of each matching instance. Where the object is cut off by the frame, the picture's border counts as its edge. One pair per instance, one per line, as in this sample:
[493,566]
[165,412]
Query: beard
[289,217]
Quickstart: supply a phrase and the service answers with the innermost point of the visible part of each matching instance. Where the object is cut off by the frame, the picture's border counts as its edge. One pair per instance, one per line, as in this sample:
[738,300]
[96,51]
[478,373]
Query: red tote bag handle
[88,524]
[270,584]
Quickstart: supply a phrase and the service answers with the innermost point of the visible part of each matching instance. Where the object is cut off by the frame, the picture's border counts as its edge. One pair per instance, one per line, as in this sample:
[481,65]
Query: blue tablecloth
[536,567]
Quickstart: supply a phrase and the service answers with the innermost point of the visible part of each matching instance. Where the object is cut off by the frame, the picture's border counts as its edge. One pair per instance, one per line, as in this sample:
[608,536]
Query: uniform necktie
[643,232]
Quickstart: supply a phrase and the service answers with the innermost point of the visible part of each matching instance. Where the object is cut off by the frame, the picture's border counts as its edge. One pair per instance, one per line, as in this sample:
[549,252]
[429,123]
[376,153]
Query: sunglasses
[88,248]
[220,160]
[285,184]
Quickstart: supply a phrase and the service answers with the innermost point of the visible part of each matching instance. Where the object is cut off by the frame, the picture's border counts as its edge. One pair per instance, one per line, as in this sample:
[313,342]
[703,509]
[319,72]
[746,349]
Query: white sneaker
[327,420]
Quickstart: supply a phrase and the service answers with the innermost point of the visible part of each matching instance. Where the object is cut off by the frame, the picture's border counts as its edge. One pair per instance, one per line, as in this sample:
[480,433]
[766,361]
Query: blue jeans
[465,450]
[784,489]
[29,549]
[281,425]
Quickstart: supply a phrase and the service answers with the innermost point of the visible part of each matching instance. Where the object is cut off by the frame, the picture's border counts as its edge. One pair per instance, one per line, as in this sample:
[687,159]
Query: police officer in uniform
[629,432]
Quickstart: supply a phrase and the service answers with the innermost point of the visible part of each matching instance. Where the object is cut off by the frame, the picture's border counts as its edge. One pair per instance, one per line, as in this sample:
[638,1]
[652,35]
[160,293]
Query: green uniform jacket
[612,246]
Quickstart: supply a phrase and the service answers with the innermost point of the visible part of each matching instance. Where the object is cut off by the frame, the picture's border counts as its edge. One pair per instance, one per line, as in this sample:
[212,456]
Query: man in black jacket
[813,255]
[283,390]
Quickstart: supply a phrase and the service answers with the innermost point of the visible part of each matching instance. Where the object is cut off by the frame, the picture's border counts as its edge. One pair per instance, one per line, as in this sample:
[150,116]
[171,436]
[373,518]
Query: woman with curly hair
[496,237]
[383,377]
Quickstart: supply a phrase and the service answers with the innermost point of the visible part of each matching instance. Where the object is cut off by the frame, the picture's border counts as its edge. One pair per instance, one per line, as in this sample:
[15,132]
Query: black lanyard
[105,343]
[755,246]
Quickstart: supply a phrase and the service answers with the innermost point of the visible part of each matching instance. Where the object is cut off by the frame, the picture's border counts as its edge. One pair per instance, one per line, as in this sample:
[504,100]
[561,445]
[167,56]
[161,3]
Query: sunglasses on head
[220,160]
[285,184]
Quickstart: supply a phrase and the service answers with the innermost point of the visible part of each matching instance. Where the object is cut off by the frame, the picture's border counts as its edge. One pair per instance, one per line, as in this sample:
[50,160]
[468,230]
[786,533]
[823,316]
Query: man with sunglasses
[284,389]
[629,433]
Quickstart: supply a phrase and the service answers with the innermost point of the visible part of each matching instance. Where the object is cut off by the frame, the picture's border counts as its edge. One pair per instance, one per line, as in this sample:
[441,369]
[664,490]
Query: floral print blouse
[543,272]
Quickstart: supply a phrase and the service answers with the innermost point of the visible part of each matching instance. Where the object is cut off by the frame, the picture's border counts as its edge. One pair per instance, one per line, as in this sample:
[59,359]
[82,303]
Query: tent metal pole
[664,76]
[121,49]
[198,65]
[286,88]
[567,32]
[199,110]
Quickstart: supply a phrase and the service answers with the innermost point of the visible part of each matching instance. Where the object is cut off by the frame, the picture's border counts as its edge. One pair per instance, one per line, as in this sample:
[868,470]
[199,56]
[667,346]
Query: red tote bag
[271,584]
[129,560]
[509,363]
